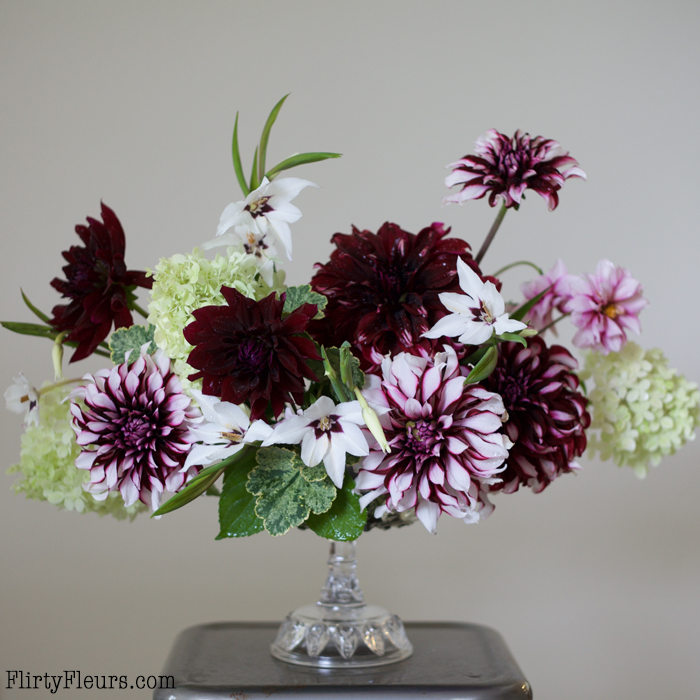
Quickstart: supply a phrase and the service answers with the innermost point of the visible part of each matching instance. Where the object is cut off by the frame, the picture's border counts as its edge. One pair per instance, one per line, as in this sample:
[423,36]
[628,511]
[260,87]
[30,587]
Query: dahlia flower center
[423,437]
[393,285]
[259,207]
[136,429]
[513,388]
[253,354]
[612,311]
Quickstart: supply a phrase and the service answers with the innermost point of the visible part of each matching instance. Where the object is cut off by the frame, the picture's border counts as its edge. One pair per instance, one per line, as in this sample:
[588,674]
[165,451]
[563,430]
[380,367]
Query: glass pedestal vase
[341,630]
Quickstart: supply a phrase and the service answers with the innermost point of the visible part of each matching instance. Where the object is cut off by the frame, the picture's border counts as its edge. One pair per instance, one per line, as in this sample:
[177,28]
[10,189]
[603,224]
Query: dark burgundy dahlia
[97,283]
[245,351]
[505,167]
[383,289]
[547,415]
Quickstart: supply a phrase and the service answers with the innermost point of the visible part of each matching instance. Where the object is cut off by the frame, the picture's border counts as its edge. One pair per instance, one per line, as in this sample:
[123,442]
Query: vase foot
[341,636]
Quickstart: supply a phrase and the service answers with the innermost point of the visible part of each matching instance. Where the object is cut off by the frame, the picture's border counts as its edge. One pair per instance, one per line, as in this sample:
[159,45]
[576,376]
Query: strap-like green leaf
[266,135]
[33,308]
[483,367]
[345,520]
[299,159]
[237,165]
[512,337]
[254,181]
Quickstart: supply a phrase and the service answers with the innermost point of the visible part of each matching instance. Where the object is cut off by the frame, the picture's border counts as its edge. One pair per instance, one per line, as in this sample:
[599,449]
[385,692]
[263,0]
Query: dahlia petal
[428,513]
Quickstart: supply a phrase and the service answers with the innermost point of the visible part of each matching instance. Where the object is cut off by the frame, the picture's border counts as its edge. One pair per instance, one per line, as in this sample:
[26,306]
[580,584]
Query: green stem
[549,325]
[57,385]
[138,309]
[491,234]
[515,264]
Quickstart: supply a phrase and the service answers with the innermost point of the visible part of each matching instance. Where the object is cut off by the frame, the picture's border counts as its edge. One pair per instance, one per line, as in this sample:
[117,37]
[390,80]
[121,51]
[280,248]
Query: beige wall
[594,583]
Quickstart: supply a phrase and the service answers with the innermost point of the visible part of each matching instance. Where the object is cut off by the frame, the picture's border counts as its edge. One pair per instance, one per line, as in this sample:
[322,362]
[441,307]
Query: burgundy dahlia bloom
[245,351]
[383,289]
[505,167]
[445,439]
[97,283]
[547,415]
[134,425]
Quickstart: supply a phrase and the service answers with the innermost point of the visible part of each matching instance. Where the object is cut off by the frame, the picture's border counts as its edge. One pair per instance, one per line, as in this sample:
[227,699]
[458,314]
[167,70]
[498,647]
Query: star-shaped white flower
[226,431]
[477,314]
[265,215]
[326,432]
[22,397]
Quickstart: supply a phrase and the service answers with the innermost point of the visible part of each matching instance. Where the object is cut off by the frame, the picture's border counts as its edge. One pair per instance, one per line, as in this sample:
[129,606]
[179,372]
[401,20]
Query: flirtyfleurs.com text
[77,680]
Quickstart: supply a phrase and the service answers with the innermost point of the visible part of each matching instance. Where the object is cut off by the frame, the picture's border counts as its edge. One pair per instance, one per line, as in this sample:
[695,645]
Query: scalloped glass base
[326,636]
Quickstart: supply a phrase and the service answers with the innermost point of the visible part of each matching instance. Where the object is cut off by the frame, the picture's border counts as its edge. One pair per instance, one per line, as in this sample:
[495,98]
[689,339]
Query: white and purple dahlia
[444,436]
[134,425]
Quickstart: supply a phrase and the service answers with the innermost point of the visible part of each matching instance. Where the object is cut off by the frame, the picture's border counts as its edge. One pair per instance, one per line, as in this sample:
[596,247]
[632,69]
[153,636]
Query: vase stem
[342,586]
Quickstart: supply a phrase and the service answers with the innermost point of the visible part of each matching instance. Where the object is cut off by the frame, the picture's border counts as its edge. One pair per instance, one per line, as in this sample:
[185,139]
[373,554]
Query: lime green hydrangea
[47,463]
[641,409]
[183,283]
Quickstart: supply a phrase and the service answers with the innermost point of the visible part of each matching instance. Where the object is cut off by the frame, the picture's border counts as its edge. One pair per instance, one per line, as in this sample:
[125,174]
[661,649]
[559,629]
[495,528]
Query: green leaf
[33,308]
[296,296]
[299,159]
[266,135]
[237,505]
[520,313]
[483,367]
[237,165]
[512,337]
[345,520]
[285,497]
[333,354]
[30,329]
[254,181]
[132,338]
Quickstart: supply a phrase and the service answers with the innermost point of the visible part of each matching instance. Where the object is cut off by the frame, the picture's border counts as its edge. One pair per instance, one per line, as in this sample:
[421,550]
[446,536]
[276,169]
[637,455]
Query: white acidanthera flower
[227,429]
[264,216]
[327,433]
[475,315]
[21,397]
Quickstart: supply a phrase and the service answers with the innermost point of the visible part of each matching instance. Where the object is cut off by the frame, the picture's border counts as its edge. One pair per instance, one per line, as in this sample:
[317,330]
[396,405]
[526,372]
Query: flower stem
[554,322]
[57,385]
[135,307]
[491,234]
[515,264]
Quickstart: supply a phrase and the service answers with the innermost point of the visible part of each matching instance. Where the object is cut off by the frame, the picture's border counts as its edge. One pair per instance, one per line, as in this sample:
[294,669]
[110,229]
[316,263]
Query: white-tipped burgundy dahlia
[444,438]
[134,428]
[505,167]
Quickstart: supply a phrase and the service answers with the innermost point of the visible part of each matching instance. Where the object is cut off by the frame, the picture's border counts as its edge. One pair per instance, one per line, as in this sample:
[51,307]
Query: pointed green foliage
[266,135]
[296,296]
[299,159]
[333,355]
[483,367]
[41,331]
[520,313]
[237,165]
[132,338]
[237,516]
[345,520]
[33,309]
[287,491]
[513,338]
[254,181]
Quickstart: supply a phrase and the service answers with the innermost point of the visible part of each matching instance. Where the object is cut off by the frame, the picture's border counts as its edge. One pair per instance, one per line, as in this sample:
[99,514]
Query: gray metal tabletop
[451,661]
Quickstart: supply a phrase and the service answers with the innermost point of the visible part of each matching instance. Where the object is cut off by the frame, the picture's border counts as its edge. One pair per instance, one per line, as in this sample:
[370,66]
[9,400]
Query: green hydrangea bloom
[641,410]
[183,283]
[47,463]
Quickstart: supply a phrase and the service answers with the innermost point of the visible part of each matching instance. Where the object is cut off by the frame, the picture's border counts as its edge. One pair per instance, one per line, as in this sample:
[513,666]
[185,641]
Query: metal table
[451,661]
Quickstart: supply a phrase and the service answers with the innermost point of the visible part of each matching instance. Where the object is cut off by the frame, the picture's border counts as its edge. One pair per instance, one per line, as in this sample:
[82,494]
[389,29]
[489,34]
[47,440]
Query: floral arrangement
[398,385]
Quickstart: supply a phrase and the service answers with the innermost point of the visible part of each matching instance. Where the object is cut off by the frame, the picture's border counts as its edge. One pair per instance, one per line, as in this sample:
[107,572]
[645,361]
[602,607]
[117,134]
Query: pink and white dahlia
[444,436]
[605,305]
[505,167]
[558,283]
[134,425]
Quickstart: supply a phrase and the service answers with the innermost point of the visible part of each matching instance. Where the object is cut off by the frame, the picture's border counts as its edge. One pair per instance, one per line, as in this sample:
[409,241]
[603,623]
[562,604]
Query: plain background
[594,583]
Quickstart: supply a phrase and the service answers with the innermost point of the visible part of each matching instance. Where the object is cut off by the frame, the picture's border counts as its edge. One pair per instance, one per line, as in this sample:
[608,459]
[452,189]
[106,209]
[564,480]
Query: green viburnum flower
[183,283]
[47,462]
[641,409]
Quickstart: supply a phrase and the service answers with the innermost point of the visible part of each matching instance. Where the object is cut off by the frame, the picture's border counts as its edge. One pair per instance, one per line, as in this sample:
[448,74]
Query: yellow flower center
[612,311]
